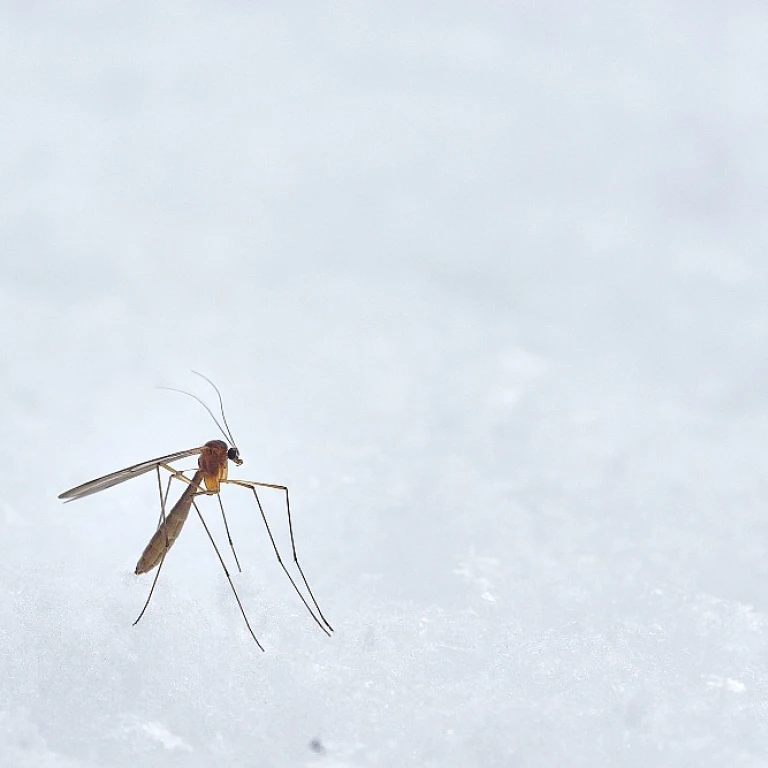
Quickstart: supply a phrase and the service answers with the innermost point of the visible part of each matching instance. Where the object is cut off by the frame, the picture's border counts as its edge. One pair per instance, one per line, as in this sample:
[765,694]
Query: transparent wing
[101,483]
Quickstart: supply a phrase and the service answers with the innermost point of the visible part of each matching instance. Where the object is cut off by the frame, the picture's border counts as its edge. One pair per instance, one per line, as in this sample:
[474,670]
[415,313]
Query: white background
[485,284]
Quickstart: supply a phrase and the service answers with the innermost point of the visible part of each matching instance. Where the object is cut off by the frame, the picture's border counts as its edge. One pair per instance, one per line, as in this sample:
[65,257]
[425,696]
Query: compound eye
[233,455]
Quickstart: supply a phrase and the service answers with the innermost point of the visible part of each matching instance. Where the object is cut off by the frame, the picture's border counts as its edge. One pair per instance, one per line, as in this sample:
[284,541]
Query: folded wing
[114,478]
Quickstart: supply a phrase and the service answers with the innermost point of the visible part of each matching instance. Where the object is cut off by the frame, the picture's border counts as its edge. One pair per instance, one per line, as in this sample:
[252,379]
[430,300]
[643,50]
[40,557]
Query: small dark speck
[317,746]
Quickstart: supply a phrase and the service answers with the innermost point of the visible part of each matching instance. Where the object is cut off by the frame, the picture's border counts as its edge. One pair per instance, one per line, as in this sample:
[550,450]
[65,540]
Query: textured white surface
[486,288]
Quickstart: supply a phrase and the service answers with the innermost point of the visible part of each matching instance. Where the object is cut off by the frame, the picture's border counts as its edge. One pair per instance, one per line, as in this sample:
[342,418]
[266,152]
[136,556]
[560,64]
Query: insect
[211,474]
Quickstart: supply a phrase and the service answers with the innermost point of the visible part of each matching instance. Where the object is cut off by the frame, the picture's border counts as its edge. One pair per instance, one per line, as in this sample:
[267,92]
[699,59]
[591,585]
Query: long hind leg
[163,499]
[229,578]
[322,622]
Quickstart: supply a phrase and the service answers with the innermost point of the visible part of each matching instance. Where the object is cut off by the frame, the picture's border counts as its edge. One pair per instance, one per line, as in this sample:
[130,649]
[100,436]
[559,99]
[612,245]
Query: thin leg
[229,538]
[163,523]
[226,573]
[163,498]
[179,475]
[248,484]
[152,588]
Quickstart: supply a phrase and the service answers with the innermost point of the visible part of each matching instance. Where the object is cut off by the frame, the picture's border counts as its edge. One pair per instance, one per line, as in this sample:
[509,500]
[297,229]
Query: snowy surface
[485,284]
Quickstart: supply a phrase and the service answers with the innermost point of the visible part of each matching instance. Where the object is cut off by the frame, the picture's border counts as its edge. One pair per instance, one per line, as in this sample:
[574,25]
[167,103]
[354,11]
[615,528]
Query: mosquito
[211,474]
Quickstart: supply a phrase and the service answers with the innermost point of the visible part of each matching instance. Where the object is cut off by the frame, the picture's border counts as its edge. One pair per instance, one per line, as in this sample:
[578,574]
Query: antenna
[228,433]
[221,406]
